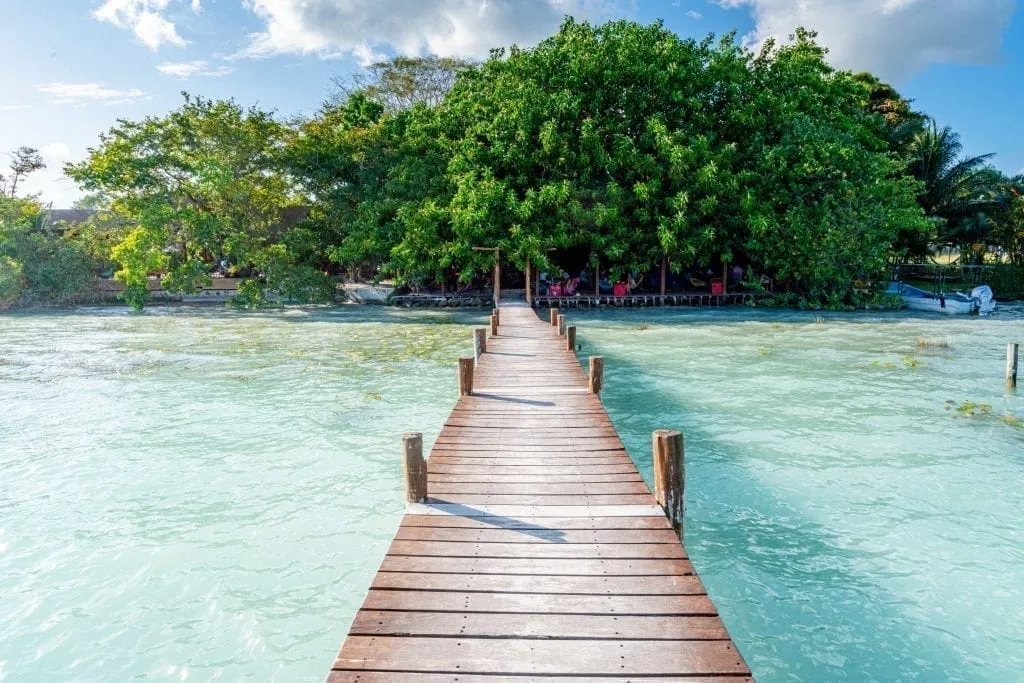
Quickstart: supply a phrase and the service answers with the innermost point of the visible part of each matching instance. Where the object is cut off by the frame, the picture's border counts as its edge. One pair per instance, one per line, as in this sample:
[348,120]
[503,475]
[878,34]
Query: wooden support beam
[415,468]
[570,338]
[561,325]
[466,376]
[497,314]
[664,274]
[554,316]
[596,374]
[529,297]
[669,475]
[494,325]
[1012,356]
[479,342]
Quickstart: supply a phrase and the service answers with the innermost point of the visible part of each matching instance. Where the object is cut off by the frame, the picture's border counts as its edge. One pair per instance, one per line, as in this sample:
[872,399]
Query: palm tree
[955,189]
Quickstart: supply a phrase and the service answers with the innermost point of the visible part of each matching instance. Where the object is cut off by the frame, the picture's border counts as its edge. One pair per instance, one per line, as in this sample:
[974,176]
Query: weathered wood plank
[535,566]
[511,583]
[544,657]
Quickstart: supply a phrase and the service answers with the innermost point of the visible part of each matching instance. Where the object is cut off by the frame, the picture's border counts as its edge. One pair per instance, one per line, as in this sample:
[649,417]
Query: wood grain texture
[540,554]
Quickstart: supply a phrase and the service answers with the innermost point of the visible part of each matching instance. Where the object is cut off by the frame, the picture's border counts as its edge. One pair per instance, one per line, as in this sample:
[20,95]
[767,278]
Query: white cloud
[198,67]
[146,18]
[465,28]
[893,38]
[56,152]
[80,93]
[694,14]
[14,107]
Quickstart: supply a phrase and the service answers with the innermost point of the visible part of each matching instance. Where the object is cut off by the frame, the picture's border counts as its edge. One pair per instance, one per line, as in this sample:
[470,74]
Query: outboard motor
[985,299]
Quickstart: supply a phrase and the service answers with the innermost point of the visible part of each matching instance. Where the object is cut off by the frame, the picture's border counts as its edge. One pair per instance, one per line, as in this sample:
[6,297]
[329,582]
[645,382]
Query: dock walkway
[541,554]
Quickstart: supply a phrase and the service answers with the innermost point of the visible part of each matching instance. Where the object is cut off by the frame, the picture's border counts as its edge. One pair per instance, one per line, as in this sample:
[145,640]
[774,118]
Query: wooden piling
[1012,356]
[415,468]
[669,475]
[479,342]
[497,315]
[596,374]
[554,316]
[494,325]
[570,338]
[561,325]
[466,376]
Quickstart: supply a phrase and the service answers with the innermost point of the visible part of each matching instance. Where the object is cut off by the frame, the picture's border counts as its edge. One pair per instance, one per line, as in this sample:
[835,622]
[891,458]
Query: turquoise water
[202,495]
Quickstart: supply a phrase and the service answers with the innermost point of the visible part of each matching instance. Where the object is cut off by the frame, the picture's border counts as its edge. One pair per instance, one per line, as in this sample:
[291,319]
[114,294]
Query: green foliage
[200,185]
[11,281]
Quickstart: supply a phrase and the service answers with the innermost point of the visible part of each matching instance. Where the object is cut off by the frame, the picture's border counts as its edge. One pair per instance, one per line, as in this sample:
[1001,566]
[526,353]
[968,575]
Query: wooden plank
[511,625]
[544,657]
[540,603]
[544,523]
[493,535]
[527,511]
[441,488]
[533,549]
[511,583]
[518,478]
[535,566]
[536,500]
[390,677]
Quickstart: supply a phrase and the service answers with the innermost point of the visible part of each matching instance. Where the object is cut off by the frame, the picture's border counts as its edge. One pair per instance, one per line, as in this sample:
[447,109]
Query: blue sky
[72,67]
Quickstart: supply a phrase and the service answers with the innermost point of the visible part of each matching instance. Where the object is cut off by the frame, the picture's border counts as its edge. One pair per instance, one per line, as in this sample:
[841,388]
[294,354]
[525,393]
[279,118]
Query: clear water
[201,495]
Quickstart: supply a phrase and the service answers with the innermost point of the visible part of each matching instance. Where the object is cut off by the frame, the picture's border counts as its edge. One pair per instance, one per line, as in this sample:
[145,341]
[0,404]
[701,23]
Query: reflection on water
[205,495]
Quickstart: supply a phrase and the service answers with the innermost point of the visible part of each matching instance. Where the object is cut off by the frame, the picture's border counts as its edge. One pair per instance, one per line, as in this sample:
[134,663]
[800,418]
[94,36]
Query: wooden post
[664,273]
[415,468]
[596,374]
[554,316]
[529,297]
[466,376]
[597,278]
[497,277]
[494,324]
[669,477]
[570,338]
[1012,355]
[561,325]
[479,342]
[725,278]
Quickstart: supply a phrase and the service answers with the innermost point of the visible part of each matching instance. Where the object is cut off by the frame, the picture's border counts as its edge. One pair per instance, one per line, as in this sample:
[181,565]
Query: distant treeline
[621,141]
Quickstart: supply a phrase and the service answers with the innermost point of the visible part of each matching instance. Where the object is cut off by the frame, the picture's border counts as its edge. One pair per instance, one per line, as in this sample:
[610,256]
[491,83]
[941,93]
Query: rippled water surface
[203,495]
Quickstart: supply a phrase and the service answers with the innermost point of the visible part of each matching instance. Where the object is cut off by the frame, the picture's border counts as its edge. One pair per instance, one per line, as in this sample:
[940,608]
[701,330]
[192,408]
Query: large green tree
[202,185]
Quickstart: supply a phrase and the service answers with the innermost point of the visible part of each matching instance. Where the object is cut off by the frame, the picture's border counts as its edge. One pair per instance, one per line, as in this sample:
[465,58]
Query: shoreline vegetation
[618,151]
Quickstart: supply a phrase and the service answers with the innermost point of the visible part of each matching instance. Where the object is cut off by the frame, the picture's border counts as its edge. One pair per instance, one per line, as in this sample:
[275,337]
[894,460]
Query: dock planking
[540,554]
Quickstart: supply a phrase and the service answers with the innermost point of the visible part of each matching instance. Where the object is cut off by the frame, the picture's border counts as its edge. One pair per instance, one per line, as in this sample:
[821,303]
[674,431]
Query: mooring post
[497,314]
[554,316]
[596,374]
[494,325]
[1012,355]
[669,476]
[466,376]
[415,468]
[479,342]
[561,325]
[570,338]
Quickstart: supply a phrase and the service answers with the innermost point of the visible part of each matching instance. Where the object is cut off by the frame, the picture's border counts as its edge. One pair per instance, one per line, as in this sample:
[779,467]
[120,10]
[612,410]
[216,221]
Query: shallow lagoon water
[195,494]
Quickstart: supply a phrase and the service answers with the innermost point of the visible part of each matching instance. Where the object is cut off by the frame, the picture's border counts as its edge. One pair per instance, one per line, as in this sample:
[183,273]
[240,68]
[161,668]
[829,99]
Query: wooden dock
[540,554]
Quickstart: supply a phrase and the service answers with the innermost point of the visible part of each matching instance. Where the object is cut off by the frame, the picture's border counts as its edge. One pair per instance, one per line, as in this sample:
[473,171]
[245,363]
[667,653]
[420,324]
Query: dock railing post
[494,324]
[570,338]
[554,316]
[479,342]
[415,468]
[1012,356]
[497,315]
[669,475]
[466,376]
[596,374]
[561,325]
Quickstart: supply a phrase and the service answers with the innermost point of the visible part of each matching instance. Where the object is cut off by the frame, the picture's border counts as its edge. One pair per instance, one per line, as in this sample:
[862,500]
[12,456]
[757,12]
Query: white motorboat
[980,301]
